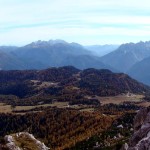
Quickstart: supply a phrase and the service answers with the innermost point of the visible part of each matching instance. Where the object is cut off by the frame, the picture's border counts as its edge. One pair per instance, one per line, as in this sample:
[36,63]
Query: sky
[87,22]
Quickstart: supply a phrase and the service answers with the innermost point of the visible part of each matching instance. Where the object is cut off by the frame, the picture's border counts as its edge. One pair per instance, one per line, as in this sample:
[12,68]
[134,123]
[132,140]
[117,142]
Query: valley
[137,100]
[87,104]
[74,75]
[68,108]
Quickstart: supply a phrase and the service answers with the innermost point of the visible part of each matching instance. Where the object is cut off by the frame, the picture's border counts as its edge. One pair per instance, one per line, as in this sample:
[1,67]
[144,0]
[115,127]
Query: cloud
[82,21]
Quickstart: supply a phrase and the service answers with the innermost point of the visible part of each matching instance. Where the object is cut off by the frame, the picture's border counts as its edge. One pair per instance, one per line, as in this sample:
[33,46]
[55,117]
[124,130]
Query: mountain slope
[127,55]
[59,129]
[141,71]
[10,62]
[59,80]
[104,82]
[57,53]
[86,61]
[8,49]
[49,54]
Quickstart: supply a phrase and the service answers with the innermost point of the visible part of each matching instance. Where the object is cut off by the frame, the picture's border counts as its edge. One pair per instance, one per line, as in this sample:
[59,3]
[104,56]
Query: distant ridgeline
[45,54]
[128,58]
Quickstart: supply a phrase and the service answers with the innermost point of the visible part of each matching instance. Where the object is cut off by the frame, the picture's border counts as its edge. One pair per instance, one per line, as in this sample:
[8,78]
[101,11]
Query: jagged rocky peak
[141,137]
[47,43]
[22,140]
[131,46]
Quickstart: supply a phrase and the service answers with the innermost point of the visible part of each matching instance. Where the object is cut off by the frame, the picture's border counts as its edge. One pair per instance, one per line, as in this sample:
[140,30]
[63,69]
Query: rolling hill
[80,119]
[58,81]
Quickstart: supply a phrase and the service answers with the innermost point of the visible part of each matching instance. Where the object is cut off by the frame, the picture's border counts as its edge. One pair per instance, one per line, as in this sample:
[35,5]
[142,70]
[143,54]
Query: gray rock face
[141,137]
[12,141]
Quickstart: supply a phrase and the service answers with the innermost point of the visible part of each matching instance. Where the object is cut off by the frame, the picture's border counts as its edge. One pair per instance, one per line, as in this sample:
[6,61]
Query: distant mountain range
[130,58]
[127,55]
[53,53]
[101,50]
[133,59]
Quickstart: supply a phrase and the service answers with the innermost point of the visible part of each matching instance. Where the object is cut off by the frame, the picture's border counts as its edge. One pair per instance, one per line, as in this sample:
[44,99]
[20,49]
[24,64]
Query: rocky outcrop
[10,143]
[22,140]
[141,137]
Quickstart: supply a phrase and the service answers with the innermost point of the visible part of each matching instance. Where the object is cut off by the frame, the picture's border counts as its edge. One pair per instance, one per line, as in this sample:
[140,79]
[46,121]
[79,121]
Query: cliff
[141,137]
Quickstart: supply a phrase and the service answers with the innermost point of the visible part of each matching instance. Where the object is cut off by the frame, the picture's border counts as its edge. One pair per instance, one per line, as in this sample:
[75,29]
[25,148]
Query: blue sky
[84,21]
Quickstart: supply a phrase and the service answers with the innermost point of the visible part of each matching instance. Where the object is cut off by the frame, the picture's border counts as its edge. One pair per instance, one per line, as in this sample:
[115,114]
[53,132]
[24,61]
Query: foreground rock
[141,137]
[23,140]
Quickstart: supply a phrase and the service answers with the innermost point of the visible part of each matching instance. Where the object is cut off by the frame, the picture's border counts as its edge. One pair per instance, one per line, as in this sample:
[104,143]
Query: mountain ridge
[127,55]
[128,58]
[55,53]
[88,82]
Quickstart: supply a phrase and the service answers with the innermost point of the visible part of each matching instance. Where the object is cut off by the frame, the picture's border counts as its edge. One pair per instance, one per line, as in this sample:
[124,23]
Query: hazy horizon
[99,44]
[85,22]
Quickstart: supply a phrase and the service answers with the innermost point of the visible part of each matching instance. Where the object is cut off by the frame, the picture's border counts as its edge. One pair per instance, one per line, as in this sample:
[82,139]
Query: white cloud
[81,35]
[84,21]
